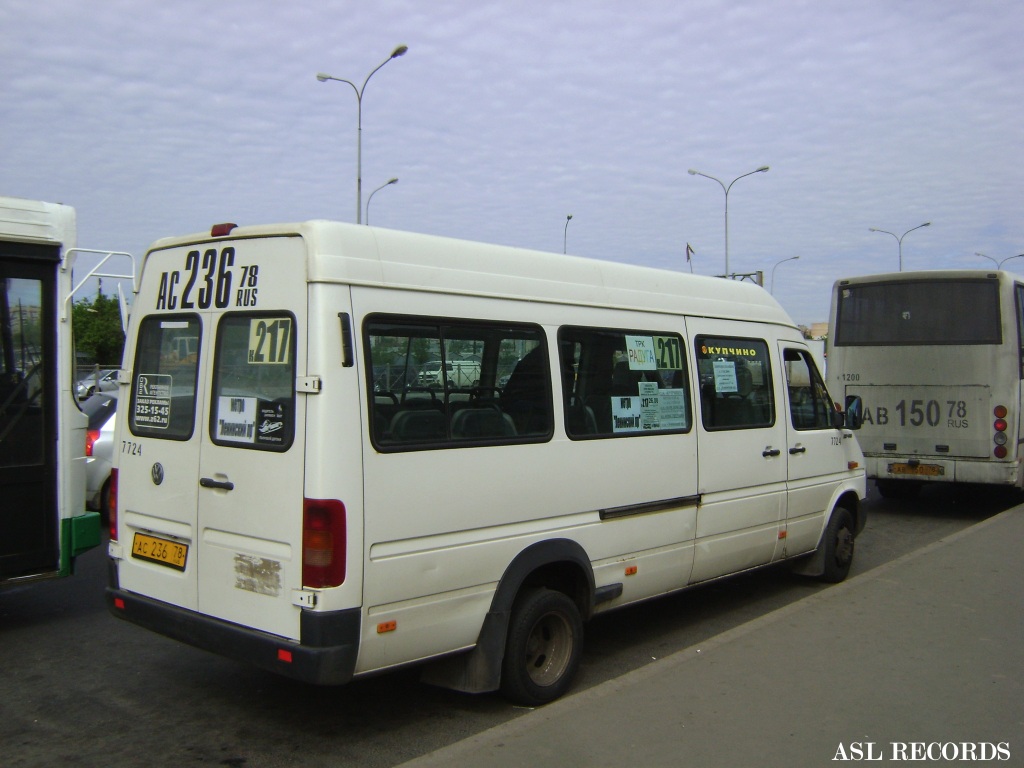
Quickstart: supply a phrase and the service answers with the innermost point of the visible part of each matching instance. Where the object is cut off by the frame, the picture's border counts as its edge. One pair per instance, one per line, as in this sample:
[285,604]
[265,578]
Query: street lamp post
[370,198]
[772,289]
[565,234]
[899,238]
[999,264]
[762,169]
[399,51]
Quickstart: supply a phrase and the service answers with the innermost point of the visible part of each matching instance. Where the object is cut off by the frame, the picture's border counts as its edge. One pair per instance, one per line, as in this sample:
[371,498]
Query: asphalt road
[78,687]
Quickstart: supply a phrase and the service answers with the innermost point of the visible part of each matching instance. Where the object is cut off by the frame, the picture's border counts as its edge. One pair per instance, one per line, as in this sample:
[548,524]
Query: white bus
[936,358]
[292,495]
[43,522]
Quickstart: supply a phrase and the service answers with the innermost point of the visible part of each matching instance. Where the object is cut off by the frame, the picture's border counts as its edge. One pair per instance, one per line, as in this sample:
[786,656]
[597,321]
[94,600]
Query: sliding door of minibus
[29,536]
[741,449]
[251,461]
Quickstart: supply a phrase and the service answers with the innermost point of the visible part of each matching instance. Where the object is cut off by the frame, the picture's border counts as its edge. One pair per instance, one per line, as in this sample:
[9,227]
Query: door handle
[209,482]
[798,449]
[769,452]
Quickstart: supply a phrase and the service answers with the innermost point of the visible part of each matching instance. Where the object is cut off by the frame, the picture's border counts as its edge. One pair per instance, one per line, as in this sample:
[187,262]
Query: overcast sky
[162,118]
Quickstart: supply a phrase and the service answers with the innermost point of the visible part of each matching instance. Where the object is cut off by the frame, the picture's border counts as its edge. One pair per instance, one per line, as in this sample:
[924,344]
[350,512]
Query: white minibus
[936,359]
[292,495]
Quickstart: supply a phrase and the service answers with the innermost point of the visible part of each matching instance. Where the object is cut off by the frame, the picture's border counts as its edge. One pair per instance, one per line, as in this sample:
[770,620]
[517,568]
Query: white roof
[34,221]
[363,255]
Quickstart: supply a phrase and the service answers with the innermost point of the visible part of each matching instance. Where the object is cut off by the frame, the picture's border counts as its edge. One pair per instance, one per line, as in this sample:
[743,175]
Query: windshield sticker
[268,341]
[251,421]
[670,357]
[153,400]
[725,376]
[652,409]
[640,353]
[236,419]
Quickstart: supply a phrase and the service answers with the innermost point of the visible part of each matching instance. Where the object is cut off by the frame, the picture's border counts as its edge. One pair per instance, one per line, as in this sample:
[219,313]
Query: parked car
[99,449]
[103,380]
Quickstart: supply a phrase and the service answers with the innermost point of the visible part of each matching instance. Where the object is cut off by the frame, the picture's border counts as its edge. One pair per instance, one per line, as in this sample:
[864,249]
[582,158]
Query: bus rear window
[164,380]
[253,401]
[918,312]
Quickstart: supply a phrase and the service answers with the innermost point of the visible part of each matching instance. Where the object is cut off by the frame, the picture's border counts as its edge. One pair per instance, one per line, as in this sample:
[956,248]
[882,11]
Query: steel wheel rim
[549,649]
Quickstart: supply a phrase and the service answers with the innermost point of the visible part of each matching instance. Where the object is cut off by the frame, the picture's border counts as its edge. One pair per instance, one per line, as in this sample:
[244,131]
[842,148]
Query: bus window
[617,383]
[164,384]
[810,406]
[254,382]
[919,311]
[735,383]
[443,384]
[1019,291]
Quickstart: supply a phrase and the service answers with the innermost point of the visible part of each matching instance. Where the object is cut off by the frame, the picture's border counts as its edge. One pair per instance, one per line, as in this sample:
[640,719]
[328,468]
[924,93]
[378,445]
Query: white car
[103,380]
[99,449]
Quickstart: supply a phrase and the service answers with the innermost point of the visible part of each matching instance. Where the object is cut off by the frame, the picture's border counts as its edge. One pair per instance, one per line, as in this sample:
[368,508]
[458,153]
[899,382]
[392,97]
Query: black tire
[542,653]
[838,544]
[105,503]
[897,489]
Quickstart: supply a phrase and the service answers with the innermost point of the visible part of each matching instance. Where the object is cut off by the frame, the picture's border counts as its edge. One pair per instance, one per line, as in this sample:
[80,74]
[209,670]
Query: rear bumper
[326,654]
[987,472]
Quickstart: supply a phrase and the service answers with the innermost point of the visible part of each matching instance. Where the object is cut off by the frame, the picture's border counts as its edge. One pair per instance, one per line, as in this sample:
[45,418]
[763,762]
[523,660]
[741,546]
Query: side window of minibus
[810,406]
[621,383]
[443,384]
[735,383]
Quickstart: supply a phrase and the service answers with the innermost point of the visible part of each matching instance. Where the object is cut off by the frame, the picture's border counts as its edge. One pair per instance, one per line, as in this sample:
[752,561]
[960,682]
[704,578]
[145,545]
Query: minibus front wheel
[542,653]
[838,543]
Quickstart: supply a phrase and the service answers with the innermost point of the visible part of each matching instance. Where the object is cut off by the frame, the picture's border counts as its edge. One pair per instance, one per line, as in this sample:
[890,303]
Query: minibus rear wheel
[838,545]
[542,653]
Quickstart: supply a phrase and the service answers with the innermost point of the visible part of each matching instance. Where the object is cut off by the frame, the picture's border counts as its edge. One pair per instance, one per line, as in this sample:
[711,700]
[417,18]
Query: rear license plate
[928,470]
[173,554]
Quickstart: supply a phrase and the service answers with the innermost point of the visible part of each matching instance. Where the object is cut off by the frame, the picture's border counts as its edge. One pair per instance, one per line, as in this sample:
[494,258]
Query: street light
[762,169]
[399,51]
[370,198]
[999,264]
[899,238]
[772,289]
[565,234]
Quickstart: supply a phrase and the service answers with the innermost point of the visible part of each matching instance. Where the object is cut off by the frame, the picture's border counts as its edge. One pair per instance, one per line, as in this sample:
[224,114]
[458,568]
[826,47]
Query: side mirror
[854,412]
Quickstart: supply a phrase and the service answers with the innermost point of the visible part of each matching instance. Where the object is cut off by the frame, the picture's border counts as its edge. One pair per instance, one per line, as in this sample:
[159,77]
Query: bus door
[30,542]
[817,456]
[214,505]
[742,452]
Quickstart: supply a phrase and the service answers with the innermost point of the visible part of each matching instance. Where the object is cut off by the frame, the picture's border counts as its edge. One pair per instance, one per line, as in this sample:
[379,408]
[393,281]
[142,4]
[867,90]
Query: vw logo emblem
[157,473]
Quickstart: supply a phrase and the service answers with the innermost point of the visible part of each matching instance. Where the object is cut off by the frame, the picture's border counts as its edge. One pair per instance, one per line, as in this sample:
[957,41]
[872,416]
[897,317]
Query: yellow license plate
[170,553]
[927,470]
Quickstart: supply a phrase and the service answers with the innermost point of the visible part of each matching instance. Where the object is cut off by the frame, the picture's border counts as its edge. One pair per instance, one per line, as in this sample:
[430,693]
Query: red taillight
[91,436]
[112,504]
[323,543]
[1000,425]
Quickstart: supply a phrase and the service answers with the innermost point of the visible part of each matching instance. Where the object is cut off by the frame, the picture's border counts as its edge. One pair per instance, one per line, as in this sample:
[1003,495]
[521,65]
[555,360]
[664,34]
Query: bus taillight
[323,543]
[112,504]
[1000,425]
[91,436]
